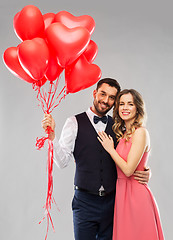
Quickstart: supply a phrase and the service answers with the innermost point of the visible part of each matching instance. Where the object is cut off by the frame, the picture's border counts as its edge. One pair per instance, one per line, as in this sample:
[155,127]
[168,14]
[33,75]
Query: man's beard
[98,110]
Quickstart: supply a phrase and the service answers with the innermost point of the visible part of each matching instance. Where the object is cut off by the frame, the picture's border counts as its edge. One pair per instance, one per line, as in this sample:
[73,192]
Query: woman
[136,215]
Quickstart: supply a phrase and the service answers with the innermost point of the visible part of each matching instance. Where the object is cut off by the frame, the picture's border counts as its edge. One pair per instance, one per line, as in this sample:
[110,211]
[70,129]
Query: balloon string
[63,97]
[53,94]
[50,92]
[49,199]
[48,102]
[44,97]
[41,141]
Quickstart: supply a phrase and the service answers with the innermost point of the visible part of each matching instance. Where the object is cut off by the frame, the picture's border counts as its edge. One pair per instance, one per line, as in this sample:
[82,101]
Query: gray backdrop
[135,40]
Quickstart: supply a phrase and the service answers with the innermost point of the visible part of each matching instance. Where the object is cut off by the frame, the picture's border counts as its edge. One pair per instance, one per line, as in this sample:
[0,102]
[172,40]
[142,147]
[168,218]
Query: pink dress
[136,215]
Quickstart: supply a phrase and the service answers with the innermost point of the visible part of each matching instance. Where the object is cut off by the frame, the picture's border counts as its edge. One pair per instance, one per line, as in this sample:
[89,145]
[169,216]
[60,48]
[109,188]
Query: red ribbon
[49,101]
[49,200]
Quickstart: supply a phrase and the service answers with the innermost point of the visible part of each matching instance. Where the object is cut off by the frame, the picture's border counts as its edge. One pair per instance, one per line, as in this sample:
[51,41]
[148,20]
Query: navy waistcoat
[94,166]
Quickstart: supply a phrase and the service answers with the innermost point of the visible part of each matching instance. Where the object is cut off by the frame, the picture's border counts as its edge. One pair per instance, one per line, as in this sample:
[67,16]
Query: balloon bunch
[50,44]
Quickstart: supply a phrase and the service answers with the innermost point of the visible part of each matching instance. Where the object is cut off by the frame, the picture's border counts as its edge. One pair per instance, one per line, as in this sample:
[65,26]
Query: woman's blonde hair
[140,118]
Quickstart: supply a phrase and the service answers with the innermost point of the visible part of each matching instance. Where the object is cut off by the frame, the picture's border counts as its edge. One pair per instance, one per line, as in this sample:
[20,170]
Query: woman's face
[127,108]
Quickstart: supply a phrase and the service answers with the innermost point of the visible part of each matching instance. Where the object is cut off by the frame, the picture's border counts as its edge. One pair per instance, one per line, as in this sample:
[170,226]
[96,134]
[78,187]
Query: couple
[90,139]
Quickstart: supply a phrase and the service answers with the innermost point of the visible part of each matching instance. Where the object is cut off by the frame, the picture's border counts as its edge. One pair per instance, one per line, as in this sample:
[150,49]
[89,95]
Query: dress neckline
[130,141]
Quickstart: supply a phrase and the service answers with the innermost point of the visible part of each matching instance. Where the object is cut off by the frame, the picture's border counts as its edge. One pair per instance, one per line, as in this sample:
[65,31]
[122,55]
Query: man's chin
[104,111]
[101,111]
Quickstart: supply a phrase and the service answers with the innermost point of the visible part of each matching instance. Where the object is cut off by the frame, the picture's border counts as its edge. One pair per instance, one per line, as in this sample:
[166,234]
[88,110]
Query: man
[95,176]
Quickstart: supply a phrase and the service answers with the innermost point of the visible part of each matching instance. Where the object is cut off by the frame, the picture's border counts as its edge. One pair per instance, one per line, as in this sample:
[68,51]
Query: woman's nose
[125,106]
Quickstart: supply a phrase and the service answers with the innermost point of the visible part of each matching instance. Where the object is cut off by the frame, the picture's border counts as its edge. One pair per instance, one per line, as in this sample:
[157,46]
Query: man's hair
[111,82]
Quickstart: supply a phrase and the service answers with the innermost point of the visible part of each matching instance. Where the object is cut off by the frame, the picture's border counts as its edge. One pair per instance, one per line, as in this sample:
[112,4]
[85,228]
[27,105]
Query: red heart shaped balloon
[71,21]
[68,44]
[48,19]
[54,69]
[34,57]
[91,51]
[81,74]
[29,23]
[12,62]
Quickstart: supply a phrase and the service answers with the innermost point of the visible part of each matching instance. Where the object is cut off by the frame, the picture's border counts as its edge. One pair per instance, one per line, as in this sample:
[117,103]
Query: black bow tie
[104,119]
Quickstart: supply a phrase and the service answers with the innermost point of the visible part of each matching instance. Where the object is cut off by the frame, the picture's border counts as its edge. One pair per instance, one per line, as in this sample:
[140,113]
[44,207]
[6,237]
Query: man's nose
[106,99]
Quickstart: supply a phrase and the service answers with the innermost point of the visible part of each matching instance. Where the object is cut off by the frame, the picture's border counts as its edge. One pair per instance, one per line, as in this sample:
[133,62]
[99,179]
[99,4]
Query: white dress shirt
[63,149]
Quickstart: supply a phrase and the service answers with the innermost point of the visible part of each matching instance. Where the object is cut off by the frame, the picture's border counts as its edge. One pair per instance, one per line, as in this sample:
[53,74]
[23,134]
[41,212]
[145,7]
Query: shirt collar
[91,114]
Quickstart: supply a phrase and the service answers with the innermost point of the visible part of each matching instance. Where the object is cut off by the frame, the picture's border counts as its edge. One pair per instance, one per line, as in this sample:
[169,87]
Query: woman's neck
[128,125]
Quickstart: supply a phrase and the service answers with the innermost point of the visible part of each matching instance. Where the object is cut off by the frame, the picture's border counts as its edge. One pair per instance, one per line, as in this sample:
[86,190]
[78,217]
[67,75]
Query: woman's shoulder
[141,132]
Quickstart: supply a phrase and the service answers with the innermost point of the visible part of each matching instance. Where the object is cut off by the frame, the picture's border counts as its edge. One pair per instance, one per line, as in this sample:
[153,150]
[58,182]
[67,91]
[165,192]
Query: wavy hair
[140,118]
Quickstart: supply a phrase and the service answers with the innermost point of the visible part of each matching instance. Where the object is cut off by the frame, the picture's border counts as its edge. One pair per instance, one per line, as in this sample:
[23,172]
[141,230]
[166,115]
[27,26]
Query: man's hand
[142,177]
[48,121]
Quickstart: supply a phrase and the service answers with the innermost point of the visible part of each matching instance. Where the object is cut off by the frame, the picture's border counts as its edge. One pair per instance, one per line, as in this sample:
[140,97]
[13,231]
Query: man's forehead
[108,89]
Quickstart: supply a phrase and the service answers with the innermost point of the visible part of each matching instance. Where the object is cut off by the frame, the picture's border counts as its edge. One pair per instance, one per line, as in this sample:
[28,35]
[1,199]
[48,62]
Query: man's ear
[94,93]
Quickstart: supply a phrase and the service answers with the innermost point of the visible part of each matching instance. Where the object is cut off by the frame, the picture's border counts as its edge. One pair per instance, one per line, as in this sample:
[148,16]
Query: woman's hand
[48,121]
[106,141]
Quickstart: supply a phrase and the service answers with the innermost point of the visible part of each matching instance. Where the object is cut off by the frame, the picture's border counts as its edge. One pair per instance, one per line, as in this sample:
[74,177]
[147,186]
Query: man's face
[104,99]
